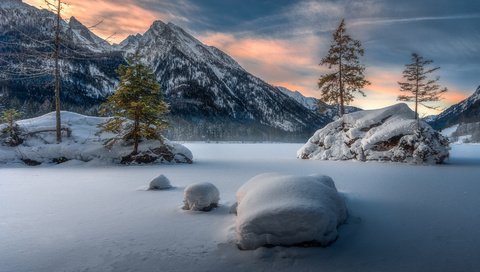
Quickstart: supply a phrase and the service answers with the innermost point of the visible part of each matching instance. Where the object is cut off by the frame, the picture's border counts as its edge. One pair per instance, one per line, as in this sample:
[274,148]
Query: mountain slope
[210,94]
[317,105]
[467,111]
[201,80]
[26,67]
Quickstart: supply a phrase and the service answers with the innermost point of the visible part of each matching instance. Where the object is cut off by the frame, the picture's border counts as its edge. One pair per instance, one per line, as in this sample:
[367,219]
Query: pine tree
[347,77]
[421,88]
[12,130]
[137,105]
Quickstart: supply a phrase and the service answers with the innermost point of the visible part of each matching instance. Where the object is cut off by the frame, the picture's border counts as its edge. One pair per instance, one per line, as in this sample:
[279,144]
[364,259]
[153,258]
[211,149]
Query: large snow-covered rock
[201,197]
[83,140]
[288,210]
[388,134]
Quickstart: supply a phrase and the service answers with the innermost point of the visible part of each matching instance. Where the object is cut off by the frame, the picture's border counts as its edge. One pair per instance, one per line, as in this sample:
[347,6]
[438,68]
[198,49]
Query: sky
[282,41]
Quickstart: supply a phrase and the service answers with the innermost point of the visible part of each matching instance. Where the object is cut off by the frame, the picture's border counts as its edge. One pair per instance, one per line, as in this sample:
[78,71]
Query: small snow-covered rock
[160,183]
[388,134]
[201,197]
[288,210]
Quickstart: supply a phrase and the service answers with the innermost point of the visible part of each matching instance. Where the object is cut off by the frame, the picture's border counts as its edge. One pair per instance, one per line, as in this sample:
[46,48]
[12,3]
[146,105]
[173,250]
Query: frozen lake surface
[101,218]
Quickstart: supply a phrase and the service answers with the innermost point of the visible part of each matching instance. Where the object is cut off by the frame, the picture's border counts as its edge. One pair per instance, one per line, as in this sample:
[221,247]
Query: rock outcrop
[388,134]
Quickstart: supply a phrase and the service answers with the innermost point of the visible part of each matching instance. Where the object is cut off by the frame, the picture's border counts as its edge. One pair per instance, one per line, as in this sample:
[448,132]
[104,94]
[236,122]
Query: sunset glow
[267,51]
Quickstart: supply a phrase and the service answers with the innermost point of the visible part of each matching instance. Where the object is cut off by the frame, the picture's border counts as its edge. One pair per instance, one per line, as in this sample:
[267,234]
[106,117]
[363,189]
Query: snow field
[100,218]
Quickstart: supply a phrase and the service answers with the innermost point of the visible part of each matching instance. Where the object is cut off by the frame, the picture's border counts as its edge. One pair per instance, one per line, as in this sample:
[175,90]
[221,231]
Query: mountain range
[466,111]
[211,96]
[462,119]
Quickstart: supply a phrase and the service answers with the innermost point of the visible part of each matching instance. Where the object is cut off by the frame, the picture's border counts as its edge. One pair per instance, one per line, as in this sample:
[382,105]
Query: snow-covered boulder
[201,197]
[288,210]
[83,140]
[388,134]
[160,183]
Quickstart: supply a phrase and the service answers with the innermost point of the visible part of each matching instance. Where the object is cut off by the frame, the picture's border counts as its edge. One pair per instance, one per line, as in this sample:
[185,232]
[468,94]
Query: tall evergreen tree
[137,105]
[420,87]
[347,76]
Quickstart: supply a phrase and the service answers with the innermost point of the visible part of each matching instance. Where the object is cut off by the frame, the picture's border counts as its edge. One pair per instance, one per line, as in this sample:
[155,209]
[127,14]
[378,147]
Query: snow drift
[388,134]
[201,197]
[83,140]
[288,210]
[160,183]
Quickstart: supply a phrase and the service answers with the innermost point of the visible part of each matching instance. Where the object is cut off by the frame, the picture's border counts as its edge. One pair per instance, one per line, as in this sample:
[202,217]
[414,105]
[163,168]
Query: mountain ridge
[211,95]
[466,111]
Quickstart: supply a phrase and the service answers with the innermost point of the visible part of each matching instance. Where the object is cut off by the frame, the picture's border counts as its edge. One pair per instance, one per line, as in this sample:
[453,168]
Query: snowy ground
[87,218]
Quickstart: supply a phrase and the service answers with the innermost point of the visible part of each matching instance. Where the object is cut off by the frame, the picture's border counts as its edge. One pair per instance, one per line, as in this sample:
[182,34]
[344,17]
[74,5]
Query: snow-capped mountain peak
[202,84]
[84,36]
[308,102]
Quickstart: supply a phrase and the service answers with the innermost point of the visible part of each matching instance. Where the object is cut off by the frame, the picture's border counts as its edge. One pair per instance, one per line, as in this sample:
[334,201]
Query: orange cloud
[291,63]
[119,19]
[287,63]
[384,91]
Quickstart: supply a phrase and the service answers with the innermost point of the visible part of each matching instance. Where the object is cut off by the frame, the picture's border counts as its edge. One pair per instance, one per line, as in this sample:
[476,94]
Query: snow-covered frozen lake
[96,218]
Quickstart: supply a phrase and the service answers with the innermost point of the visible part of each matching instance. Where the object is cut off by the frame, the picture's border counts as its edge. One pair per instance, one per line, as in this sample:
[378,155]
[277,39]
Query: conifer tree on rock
[12,130]
[420,87]
[137,106]
[347,76]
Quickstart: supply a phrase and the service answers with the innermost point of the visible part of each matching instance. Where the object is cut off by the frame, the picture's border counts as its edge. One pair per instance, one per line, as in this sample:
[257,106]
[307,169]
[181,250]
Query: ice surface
[275,209]
[91,217]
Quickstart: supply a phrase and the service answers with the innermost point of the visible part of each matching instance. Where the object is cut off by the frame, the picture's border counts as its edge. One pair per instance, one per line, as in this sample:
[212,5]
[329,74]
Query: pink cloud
[292,64]
[385,90]
[121,19]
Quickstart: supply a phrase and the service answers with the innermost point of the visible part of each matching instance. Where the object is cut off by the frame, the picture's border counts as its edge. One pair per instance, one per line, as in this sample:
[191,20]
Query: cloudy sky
[282,41]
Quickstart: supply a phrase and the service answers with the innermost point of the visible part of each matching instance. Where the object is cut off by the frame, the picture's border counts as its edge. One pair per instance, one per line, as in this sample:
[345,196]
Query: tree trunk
[340,79]
[416,92]
[136,128]
[58,123]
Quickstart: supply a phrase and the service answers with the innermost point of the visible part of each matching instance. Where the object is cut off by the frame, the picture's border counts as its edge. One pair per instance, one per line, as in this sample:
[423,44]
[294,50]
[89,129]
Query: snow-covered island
[387,134]
[83,141]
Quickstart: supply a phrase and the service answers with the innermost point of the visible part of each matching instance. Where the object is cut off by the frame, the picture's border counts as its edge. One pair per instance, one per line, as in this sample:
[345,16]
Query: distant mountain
[314,104]
[311,103]
[467,111]
[466,133]
[83,36]
[202,82]
[210,94]
[26,42]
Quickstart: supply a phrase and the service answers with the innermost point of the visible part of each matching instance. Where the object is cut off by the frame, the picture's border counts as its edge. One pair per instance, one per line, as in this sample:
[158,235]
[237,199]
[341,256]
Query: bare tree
[44,55]
[57,6]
